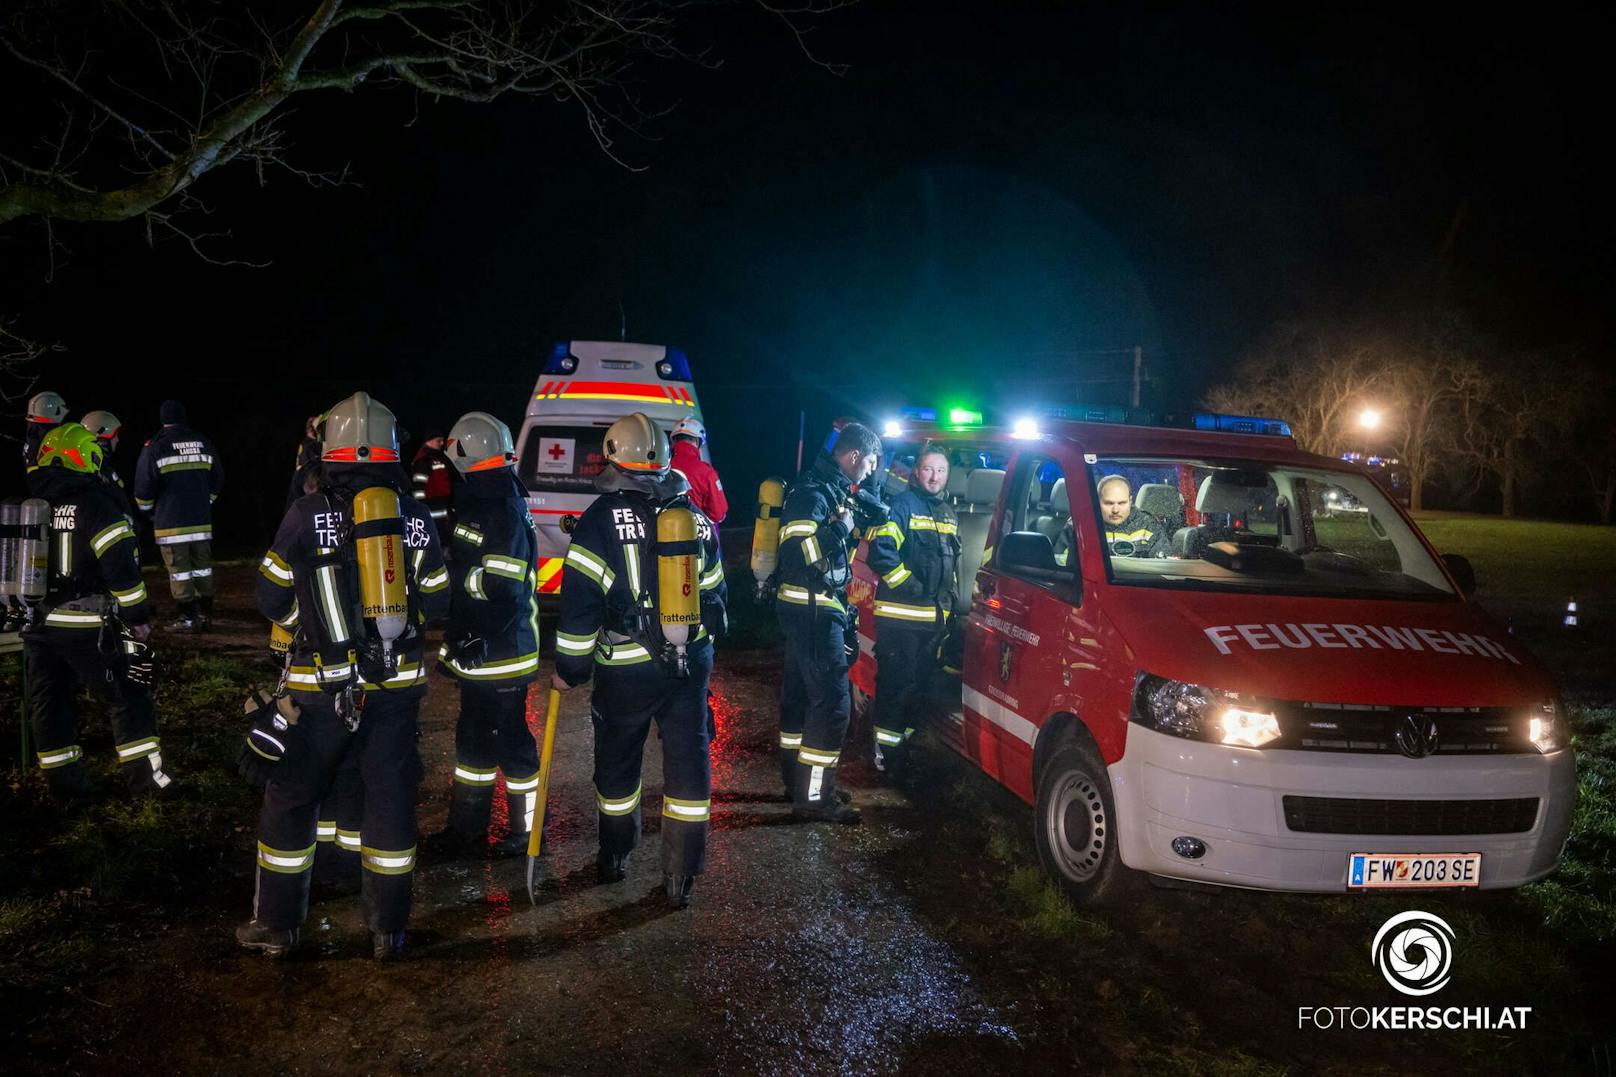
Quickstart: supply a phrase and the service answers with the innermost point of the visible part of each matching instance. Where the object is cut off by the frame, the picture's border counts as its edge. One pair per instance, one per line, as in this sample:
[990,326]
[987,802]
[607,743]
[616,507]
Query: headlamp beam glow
[1248,729]
[1025,428]
[892,429]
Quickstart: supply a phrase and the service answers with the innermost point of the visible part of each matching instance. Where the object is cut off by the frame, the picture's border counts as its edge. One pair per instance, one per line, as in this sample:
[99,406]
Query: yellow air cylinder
[379,549]
[766,528]
[678,579]
[280,640]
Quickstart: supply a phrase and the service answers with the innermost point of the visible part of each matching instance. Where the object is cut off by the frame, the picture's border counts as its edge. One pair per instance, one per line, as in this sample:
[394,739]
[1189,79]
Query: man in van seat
[706,491]
[177,479]
[916,555]
[1129,531]
[814,558]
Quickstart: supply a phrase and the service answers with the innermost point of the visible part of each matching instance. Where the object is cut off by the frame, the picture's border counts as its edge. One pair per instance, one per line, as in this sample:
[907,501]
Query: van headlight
[1200,713]
[1545,728]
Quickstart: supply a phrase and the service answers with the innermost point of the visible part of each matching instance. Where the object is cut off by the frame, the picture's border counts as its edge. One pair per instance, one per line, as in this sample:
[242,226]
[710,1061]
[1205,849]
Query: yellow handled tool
[537,834]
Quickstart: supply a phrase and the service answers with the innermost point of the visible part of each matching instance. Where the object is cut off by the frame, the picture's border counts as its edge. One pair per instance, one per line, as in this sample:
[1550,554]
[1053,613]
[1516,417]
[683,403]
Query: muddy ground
[918,942]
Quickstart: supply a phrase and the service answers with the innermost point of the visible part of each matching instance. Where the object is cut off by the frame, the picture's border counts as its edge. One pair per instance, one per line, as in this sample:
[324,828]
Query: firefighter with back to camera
[46,411]
[88,617]
[642,595]
[355,572]
[915,554]
[816,542]
[491,645]
[177,479]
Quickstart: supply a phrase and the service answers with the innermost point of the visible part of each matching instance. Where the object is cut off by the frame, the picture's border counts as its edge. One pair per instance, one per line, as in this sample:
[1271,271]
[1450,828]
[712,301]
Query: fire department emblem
[1004,662]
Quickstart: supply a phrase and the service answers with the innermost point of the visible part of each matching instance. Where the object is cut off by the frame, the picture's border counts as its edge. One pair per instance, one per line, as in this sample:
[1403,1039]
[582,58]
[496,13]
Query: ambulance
[587,385]
[1237,683]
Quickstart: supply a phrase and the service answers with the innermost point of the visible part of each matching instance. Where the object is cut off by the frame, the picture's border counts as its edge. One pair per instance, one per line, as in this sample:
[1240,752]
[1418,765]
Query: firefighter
[492,643]
[355,571]
[106,427]
[706,491]
[1129,531]
[306,470]
[614,628]
[92,626]
[816,542]
[916,555]
[177,480]
[432,479]
[46,411]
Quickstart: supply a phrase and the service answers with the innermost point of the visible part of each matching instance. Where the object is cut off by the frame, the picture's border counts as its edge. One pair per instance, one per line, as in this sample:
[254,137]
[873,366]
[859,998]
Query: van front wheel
[1076,825]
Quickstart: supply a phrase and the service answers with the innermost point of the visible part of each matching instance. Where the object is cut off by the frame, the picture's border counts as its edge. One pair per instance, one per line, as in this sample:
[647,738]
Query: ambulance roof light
[674,366]
[561,360]
[964,417]
[1242,424]
[1025,427]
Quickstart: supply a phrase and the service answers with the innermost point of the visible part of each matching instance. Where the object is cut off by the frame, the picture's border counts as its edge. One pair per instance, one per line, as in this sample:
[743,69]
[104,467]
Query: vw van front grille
[1338,815]
[1335,727]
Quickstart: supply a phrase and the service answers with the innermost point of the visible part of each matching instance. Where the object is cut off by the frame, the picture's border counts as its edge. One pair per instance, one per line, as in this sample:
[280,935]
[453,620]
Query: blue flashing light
[1084,413]
[561,360]
[1242,424]
[919,415]
[674,366]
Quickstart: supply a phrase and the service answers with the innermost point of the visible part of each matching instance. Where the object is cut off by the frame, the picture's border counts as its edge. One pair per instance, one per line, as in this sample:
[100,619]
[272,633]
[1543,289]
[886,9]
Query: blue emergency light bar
[674,366]
[561,360]
[1242,424]
[919,415]
[1086,413]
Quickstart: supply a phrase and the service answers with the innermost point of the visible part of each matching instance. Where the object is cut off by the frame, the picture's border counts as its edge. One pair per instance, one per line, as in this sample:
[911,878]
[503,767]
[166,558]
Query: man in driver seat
[1129,532]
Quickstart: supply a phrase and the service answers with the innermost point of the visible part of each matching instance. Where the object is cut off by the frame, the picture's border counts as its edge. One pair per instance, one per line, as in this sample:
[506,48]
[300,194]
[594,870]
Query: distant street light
[1369,418]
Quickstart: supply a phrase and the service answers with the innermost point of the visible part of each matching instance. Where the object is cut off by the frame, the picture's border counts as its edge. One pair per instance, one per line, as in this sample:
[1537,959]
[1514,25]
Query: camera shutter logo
[1414,951]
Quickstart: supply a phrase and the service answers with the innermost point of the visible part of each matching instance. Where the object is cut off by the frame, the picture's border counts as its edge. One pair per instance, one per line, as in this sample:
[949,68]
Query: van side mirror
[1030,554]
[1463,573]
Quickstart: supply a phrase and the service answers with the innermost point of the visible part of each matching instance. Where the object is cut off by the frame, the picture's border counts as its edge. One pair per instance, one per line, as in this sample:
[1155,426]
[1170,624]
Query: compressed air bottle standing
[678,587]
[379,549]
[766,529]
[10,549]
[33,554]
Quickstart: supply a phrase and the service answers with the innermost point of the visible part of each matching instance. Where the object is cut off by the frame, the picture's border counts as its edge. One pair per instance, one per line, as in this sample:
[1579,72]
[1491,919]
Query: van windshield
[1257,527]
[562,459]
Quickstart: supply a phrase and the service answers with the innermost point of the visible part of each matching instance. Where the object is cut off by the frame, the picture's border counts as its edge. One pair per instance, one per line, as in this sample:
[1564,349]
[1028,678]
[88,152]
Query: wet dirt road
[802,951]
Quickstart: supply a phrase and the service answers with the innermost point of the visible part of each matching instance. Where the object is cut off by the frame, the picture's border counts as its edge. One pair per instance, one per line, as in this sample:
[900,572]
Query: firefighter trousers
[491,736]
[60,660]
[190,569]
[905,662]
[626,700]
[389,767]
[814,700]
[340,817]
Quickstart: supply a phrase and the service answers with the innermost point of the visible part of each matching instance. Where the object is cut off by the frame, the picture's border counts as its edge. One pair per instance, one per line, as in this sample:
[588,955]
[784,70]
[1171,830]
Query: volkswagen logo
[1414,951]
[1415,736]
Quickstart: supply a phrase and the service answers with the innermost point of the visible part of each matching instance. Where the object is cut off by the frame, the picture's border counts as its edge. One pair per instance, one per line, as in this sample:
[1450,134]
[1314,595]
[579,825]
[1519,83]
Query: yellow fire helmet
[73,447]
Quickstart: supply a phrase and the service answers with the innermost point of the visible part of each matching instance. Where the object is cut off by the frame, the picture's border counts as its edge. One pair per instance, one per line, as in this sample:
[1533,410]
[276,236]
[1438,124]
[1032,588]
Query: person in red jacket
[706,491]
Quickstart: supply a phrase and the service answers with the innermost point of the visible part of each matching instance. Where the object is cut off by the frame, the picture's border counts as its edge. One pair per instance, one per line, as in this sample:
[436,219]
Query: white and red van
[1268,692]
[587,385]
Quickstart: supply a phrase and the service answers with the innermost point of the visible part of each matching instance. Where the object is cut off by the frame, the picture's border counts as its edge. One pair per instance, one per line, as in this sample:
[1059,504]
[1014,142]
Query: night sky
[982,197]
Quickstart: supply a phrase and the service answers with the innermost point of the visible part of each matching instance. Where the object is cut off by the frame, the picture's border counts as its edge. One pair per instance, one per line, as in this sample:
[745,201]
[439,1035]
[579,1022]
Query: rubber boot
[146,774]
[678,888]
[814,797]
[387,945]
[470,807]
[204,614]
[788,770]
[610,867]
[515,842]
[187,618]
[255,936]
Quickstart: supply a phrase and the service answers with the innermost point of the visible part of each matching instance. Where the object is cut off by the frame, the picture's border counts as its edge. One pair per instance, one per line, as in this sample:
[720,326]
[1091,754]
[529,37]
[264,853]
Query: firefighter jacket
[1140,535]
[308,583]
[706,491]
[814,544]
[94,556]
[32,435]
[916,555]
[494,580]
[609,584]
[432,481]
[179,474]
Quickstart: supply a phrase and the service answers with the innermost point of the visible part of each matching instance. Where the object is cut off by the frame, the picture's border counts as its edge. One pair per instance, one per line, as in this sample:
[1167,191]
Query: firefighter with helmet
[355,571]
[46,411]
[106,427]
[642,594]
[91,627]
[177,479]
[706,491]
[491,645]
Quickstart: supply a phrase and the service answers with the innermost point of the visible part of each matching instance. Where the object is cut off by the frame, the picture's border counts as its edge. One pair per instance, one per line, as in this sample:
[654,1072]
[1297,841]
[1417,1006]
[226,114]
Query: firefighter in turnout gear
[355,572]
[492,643]
[432,482]
[90,629]
[916,555]
[816,540]
[177,480]
[639,604]
[106,427]
[46,411]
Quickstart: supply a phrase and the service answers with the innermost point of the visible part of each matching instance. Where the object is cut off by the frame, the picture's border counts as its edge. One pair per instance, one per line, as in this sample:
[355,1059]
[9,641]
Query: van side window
[1039,503]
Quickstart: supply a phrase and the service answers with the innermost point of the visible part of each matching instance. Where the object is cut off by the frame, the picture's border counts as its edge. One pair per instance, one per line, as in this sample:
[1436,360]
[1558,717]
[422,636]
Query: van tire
[1074,825]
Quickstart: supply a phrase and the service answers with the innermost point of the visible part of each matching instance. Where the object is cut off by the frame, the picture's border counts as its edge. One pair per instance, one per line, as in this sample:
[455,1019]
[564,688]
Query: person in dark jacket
[306,469]
[815,554]
[177,480]
[91,629]
[610,632]
[432,481]
[353,693]
[916,555]
[492,643]
[46,411]
[106,427]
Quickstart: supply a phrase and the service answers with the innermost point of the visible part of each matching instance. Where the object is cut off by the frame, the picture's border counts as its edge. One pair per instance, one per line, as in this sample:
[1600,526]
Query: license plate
[1392,871]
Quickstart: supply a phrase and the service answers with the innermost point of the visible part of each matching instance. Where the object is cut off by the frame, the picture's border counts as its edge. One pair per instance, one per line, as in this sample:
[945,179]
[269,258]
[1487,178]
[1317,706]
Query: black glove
[714,617]
[139,665]
[371,659]
[468,652]
[868,510]
[850,637]
[269,737]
